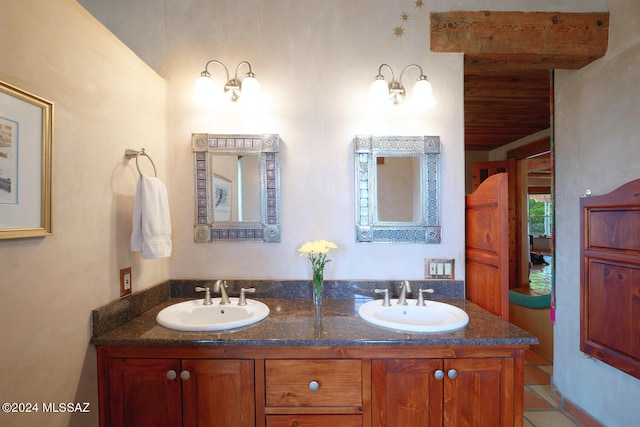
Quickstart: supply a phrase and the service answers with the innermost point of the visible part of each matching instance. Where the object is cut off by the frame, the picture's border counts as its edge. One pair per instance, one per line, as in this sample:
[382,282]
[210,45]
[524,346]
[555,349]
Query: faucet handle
[421,296]
[243,298]
[207,295]
[386,302]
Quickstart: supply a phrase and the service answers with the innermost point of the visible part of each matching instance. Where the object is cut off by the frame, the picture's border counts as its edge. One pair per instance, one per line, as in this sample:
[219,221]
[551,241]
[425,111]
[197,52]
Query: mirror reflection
[397,189]
[237,187]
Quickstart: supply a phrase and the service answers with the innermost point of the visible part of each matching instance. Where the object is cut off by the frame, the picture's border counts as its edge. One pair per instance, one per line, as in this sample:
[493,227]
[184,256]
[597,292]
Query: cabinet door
[218,393]
[405,392]
[479,392]
[141,394]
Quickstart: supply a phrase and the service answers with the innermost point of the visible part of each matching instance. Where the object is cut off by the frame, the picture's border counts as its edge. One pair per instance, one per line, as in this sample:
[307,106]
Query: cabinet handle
[171,374]
[185,375]
[314,386]
[439,374]
[452,374]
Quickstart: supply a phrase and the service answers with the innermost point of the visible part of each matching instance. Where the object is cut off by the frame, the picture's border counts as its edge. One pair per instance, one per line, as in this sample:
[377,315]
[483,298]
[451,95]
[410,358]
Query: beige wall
[597,148]
[315,61]
[105,100]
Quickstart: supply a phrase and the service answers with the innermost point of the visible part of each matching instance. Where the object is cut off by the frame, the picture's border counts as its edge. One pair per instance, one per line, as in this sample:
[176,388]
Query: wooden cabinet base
[311,386]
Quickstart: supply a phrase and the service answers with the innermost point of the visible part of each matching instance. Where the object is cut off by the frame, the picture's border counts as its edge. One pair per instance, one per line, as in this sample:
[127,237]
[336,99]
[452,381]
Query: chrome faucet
[243,298]
[221,287]
[421,292]
[386,302]
[404,288]
[207,294]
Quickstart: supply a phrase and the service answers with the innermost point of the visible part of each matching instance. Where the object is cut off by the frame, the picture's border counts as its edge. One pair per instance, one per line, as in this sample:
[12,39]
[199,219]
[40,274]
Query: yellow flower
[316,247]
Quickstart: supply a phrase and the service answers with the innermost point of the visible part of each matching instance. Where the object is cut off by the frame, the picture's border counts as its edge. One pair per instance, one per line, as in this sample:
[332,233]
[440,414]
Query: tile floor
[540,277]
[540,409]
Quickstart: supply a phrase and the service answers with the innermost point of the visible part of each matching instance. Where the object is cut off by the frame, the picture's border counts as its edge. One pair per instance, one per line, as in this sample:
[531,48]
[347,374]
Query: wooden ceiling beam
[522,40]
[539,164]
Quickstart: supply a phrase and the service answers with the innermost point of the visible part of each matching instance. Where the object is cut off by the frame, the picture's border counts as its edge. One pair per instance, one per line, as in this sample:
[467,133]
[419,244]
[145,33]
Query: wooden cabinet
[447,392]
[311,386]
[140,394]
[174,392]
[219,392]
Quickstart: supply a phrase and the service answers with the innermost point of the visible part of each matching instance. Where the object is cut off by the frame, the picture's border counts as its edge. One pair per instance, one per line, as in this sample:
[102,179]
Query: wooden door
[405,392]
[219,393]
[486,251]
[141,394]
[610,277]
[480,171]
[479,392]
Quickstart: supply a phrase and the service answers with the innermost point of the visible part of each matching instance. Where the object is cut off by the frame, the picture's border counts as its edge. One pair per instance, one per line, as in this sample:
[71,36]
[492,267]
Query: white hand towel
[151,220]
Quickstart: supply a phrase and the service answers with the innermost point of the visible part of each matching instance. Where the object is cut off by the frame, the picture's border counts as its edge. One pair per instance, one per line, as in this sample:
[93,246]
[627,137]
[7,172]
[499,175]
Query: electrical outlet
[439,268]
[125,282]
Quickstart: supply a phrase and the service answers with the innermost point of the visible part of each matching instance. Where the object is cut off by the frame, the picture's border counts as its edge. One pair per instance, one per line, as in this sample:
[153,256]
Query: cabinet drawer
[313,382]
[314,421]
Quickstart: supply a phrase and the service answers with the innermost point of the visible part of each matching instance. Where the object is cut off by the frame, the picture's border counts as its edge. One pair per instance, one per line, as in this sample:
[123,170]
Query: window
[540,210]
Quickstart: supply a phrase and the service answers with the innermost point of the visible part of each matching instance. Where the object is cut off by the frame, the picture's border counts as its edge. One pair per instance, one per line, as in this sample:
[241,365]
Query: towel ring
[130,154]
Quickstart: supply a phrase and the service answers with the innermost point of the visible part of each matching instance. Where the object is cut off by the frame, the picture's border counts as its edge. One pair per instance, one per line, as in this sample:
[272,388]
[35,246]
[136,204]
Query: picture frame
[26,140]
[221,198]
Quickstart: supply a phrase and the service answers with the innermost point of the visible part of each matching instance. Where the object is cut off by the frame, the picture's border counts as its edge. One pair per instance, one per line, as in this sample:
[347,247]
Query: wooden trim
[573,410]
[542,40]
[539,190]
[535,148]
[318,352]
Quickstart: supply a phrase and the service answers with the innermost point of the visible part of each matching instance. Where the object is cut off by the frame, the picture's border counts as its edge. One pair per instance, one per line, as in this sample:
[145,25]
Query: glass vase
[318,280]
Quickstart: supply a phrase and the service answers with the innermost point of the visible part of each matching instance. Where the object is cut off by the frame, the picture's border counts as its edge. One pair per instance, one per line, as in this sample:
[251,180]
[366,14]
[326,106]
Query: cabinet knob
[452,374]
[171,374]
[185,375]
[439,374]
[314,386]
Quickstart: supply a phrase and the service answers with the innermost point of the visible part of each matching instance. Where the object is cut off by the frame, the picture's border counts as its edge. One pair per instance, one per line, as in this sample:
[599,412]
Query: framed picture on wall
[221,198]
[26,133]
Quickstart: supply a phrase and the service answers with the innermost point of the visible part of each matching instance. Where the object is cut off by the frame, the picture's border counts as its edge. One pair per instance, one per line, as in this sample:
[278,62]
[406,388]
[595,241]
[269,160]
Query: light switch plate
[436,268]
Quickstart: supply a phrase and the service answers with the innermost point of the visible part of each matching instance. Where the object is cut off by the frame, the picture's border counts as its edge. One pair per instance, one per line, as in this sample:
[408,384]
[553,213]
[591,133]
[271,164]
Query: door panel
[141,395]
[219,393]
[479,393]
[406,392]
[487,246]
[480,172]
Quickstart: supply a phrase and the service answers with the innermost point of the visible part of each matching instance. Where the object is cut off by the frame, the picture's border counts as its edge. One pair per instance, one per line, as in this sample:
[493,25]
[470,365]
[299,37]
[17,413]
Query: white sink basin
[194,316]
[433,317]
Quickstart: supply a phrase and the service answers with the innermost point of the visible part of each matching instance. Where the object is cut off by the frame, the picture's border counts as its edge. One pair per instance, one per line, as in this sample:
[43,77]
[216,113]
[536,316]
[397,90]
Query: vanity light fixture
[382,92]
[248,87]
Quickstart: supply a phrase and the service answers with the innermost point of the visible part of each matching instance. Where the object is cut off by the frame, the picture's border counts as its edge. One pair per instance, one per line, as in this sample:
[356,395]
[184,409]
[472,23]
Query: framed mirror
[397,189]
[237,187]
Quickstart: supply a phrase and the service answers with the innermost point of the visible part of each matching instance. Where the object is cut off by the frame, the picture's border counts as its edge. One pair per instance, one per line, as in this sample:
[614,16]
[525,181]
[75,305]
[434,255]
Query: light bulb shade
[422,93]
[250,89]
[204,92]
[379,91]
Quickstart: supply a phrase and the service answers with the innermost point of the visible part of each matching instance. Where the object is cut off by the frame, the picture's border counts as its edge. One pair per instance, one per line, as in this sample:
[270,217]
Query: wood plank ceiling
[508,57]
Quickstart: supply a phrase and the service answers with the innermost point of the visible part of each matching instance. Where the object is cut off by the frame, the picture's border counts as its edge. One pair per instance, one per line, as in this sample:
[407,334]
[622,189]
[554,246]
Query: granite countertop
[296,322]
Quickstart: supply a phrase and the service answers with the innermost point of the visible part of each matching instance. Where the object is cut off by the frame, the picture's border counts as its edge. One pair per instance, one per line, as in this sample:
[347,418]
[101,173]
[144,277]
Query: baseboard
[572,410]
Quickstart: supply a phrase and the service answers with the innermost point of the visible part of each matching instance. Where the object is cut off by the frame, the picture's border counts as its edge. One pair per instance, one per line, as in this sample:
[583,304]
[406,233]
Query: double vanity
[303,365]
